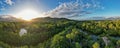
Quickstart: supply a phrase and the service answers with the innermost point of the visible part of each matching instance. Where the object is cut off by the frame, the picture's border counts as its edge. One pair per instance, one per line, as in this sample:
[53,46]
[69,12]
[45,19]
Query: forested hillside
[60,33]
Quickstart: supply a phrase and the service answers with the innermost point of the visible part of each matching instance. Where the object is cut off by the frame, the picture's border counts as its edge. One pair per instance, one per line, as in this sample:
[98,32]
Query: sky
[76,9]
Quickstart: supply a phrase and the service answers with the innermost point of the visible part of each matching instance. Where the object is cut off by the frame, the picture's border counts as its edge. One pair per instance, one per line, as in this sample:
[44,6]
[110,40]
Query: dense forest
[60,33]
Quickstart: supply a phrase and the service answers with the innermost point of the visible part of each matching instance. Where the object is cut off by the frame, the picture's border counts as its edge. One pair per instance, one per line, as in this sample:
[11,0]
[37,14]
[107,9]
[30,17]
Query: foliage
[60,33]
[96,45]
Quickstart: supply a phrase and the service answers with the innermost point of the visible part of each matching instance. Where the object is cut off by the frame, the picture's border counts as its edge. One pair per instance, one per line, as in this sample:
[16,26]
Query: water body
[22,31]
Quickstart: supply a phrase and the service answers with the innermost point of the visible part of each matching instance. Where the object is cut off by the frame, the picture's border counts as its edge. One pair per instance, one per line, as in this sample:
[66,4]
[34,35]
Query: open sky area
[63,8]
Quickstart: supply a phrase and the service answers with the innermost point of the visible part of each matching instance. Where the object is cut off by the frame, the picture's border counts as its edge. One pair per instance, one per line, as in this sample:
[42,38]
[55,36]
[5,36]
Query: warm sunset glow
[28,14]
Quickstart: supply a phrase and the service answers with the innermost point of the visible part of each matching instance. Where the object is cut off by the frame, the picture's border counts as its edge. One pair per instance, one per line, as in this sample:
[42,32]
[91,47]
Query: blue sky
[111,8]
[59,8]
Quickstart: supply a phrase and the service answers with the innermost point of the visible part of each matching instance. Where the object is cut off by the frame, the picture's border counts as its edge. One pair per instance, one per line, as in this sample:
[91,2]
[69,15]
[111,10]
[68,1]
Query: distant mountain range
[8,18]
[11,18]
[103,18]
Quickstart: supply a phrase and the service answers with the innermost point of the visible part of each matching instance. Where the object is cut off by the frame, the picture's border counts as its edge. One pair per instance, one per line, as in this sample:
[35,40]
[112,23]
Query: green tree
[96,45]
[118,43]
[59,42]
[77,45]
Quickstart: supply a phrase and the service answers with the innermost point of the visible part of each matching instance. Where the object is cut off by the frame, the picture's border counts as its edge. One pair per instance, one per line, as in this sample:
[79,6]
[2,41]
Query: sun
[28,14]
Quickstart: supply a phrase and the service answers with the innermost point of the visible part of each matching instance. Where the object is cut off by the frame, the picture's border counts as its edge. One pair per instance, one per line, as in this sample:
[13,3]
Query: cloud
[10,2]
[2,8]
[73,9]
[3,4]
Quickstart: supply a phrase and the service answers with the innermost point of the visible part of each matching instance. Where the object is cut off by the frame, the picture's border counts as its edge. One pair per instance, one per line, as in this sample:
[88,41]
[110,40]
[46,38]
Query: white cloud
[71,9]
[2,8]
[1,2]
[10,2]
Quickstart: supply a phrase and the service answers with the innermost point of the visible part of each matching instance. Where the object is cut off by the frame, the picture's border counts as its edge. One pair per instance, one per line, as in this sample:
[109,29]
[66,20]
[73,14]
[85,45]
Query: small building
[22,32]
[106,40]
